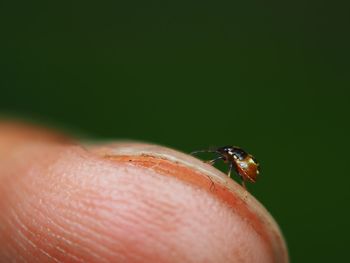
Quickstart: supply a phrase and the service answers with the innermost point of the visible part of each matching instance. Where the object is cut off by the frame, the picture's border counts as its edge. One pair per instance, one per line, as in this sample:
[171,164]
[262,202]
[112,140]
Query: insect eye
[225,149]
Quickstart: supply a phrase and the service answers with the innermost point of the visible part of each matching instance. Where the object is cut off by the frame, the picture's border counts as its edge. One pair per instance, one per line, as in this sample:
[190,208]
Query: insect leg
[211,162]
[243,183]
[240,176]
[230,170]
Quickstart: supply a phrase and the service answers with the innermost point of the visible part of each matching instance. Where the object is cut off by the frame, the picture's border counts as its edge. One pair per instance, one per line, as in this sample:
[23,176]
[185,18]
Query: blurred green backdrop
[271,77]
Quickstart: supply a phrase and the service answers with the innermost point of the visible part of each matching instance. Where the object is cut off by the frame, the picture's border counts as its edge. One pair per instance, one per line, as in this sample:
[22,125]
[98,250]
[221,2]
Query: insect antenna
[203,151]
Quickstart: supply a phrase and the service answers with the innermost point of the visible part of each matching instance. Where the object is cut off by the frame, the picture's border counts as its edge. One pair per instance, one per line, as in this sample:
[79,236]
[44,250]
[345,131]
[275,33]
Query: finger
[61,202]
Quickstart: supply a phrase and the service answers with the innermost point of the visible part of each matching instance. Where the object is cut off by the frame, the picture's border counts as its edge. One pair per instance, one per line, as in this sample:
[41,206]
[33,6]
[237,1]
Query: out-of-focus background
[271,77]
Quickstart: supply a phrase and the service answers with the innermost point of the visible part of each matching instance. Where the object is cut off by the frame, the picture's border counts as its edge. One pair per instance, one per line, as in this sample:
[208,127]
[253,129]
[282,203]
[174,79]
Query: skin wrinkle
[23,232]
[136,214]
[18,248]
[160,209]
[31,197]
[60,229]
[211,230]
[18,240]
[108,208]
[64,252]
[78,219]
[146,200]
[89,236]
[120,219]
[23,213]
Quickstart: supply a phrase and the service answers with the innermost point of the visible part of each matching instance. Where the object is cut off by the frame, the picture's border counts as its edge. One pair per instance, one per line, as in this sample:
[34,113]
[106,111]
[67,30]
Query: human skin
[123,202]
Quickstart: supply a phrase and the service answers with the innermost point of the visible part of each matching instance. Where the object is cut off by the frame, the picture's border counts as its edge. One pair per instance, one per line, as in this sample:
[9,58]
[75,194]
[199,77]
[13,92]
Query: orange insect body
[248,168]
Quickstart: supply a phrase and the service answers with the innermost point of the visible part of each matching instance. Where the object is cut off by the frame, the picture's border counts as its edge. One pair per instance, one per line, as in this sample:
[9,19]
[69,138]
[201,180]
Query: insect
[244,164]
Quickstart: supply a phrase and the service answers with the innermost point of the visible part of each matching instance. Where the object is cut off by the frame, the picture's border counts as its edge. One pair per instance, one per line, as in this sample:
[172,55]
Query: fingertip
[126,202]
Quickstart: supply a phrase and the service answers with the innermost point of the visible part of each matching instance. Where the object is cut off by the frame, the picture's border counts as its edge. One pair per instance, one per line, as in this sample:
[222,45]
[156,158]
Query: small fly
[243,163]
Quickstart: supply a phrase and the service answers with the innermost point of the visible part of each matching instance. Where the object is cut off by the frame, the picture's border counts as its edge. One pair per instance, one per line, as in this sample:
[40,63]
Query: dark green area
[271,77]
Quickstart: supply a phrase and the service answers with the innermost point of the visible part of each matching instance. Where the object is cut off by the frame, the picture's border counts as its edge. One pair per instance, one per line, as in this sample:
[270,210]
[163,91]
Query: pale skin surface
[62,202]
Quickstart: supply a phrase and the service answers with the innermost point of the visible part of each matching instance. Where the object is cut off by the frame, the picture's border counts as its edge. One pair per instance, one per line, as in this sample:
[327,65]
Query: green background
[271,77]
